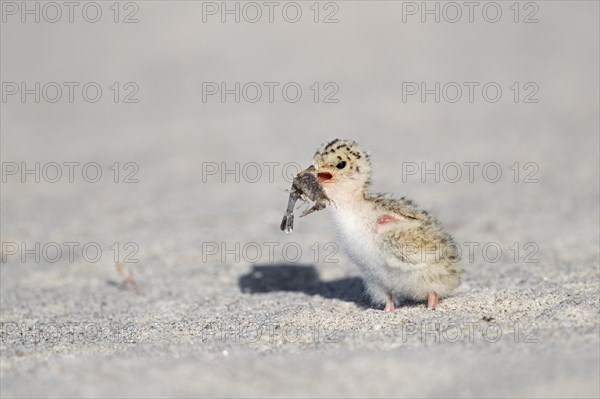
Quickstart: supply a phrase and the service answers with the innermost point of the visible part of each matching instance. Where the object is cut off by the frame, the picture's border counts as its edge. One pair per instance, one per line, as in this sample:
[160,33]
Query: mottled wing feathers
[401,206]
[423,241]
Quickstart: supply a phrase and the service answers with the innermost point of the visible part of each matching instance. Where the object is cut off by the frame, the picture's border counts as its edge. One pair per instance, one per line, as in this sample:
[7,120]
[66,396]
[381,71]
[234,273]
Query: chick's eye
[341,165]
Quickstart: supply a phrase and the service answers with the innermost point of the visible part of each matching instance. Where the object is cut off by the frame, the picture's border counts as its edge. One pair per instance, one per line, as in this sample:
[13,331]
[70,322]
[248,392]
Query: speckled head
[342,164]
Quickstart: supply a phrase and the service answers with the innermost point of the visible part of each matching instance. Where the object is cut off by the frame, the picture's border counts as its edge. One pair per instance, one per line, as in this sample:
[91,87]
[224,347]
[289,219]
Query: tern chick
[402,251]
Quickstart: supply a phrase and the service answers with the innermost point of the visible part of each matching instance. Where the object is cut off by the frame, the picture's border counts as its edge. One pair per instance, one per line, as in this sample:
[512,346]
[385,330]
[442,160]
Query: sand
[224,304]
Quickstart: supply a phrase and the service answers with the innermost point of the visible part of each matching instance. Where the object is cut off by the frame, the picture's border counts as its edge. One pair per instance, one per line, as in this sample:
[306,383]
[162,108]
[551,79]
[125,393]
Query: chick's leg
[389,303]
[432,300]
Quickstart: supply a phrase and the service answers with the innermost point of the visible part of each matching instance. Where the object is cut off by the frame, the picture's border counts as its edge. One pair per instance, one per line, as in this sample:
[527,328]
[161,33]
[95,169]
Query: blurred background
[161,98]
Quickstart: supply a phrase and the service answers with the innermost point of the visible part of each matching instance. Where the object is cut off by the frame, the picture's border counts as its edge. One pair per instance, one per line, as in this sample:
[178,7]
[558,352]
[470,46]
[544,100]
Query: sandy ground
[226,304]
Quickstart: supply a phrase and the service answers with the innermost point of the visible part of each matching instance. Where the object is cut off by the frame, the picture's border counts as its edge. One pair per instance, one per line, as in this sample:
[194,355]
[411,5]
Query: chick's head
[342,167]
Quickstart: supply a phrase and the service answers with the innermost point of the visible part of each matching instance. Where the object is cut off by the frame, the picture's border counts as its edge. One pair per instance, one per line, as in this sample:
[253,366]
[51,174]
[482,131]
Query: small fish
[287,224]
[305,185]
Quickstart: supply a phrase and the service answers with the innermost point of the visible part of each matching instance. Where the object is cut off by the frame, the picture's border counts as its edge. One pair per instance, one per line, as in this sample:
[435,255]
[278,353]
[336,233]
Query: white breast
[357,239]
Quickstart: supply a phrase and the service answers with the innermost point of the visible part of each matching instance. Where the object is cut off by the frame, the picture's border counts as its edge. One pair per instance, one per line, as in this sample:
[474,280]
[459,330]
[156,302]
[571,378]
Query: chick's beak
[324,176]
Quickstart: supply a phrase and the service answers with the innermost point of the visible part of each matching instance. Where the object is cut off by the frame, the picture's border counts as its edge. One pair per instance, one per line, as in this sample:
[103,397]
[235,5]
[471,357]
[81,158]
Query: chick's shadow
[301,278]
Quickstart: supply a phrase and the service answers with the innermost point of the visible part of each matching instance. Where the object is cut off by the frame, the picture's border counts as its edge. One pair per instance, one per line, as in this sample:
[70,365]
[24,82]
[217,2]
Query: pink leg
[389,303]
[432,300]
